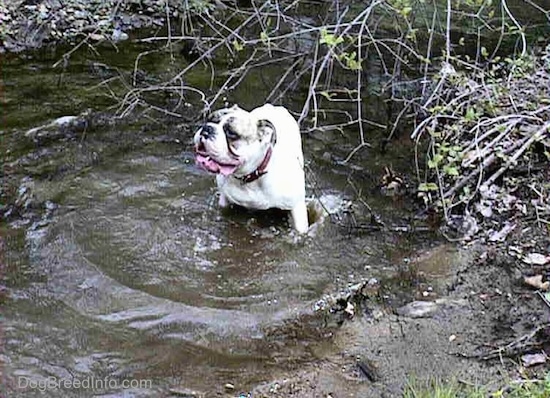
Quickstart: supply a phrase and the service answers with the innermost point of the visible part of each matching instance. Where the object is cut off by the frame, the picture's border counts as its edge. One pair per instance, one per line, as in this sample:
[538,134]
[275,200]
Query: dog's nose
[208,131]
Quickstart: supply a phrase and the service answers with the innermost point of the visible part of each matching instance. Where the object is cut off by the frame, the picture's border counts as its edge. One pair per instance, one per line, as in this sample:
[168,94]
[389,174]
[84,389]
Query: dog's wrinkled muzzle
[208,163]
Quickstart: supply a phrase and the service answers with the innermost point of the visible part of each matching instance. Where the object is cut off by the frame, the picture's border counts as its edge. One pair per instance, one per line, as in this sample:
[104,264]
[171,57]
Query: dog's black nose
[208,131]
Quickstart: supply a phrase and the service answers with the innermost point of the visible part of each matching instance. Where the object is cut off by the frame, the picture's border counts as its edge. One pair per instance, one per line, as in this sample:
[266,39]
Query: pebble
[229,387]
[185,393]
[426,309]
[418,309]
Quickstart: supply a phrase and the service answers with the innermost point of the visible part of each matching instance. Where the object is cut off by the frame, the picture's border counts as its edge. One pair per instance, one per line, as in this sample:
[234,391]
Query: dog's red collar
[261,170]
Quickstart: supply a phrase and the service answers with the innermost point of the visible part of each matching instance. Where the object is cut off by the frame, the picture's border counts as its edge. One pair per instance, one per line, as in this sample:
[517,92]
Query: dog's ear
[266,129]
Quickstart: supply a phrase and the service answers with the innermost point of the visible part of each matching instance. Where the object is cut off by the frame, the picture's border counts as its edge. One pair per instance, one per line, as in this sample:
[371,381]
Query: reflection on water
[120,266]
[136,274]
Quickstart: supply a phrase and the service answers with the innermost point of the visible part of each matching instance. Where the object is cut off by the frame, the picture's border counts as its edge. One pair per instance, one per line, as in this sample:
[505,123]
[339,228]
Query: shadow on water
[119,264]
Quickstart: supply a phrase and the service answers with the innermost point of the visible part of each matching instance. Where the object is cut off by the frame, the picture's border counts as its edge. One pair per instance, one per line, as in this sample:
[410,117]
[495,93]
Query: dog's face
[232,142]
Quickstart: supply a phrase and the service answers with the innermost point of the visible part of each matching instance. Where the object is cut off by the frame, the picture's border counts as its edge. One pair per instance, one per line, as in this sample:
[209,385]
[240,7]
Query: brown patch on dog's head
[217,116]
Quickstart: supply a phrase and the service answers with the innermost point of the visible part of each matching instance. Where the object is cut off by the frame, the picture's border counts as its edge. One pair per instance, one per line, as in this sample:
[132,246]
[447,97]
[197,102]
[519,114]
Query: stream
[119,265]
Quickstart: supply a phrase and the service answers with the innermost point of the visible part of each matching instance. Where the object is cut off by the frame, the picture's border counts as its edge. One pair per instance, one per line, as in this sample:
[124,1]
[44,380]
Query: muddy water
[119,265]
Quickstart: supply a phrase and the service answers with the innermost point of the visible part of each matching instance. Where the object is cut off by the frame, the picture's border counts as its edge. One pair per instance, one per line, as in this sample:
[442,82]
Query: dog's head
[232,141]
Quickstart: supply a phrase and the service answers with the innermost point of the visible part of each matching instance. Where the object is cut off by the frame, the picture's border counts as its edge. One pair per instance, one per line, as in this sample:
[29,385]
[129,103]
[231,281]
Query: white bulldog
[258,159]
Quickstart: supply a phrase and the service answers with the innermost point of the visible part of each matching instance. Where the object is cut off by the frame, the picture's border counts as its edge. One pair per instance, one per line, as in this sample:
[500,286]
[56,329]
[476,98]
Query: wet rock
[447,302]
[185,393]
[427,309]
[59,128]
[418,309]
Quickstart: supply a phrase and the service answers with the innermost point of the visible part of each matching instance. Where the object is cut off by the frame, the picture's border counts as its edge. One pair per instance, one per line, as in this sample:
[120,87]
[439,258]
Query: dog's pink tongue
[214,167]
[226,169]
[206,163]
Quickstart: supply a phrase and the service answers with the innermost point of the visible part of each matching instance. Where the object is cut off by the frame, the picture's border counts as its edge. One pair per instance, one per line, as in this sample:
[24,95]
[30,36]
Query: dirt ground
[476,334]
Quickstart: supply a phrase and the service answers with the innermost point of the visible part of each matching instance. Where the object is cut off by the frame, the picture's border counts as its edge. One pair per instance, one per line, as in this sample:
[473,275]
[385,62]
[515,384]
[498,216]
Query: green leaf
[484,52]
[264,37]
[237,45]
[470,115]
[351,60]
[451,171]
[435,161]
[411,35]
[329,39]
[427,187]
[406,11]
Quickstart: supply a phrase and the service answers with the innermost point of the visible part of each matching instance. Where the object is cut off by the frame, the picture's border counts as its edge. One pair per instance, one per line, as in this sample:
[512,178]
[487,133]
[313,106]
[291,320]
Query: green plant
[526,389]
[403,7]
[330,39]
[454,389]
[350,60]
[201,6]
[439,389]
[447,157]
[237,45]
[520,66]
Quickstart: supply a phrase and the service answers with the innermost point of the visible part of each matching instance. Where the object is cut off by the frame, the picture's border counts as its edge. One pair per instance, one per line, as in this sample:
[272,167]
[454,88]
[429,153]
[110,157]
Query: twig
[520,29]
[517,346]
[526,144]
[484,165]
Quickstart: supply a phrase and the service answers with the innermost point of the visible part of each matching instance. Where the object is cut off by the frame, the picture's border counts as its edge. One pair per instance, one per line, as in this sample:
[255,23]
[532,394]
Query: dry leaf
[501,235]
[536,259]
[536,282]
[533,359]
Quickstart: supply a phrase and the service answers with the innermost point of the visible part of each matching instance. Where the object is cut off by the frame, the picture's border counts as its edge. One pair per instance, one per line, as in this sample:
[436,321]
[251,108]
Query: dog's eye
[230,133]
